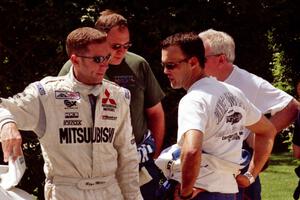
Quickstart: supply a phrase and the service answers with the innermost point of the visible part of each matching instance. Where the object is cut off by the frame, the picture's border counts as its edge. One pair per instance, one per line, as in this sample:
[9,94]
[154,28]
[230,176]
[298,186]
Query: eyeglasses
[214,55]
[119,46]
[172,65]
[97,59]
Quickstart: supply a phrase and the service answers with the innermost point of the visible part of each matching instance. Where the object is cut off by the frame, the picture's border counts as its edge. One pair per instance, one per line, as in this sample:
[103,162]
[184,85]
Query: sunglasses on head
[119,46]
[97,59]
[172,65]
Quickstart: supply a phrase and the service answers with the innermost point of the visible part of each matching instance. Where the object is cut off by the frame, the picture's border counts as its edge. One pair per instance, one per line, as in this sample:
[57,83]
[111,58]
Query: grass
[279,179]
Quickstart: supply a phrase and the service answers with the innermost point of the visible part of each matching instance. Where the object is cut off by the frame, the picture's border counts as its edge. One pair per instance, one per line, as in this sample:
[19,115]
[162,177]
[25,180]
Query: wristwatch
[250,177]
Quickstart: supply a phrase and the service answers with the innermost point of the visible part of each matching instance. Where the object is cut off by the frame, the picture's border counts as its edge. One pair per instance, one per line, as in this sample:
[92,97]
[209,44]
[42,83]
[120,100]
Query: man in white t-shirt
[283,108]
[211,117]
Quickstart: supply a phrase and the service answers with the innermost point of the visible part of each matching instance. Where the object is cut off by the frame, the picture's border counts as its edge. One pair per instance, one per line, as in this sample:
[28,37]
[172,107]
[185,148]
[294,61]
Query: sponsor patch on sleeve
[127,94]
[40,88]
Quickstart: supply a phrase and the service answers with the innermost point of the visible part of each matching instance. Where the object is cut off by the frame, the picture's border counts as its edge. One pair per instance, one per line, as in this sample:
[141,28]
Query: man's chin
[175,86]
[116,61]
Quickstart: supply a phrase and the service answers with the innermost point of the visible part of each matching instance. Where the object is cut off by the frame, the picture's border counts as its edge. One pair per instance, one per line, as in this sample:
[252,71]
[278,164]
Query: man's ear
[74,59]
[194,61]
[222,59]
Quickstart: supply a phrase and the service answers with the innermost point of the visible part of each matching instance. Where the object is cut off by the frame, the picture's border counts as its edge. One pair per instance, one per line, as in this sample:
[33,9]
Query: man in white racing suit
[83,125]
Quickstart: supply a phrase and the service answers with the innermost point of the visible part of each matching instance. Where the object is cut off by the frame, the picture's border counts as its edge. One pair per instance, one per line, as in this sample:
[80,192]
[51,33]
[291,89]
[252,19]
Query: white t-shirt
[220,111]
[261,93]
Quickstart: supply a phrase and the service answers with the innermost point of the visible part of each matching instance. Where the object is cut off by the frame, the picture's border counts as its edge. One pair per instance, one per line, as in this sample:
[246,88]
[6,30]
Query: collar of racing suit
[83,88]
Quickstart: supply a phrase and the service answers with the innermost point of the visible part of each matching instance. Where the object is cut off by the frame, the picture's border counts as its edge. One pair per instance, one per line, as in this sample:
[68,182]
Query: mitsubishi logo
[104,100]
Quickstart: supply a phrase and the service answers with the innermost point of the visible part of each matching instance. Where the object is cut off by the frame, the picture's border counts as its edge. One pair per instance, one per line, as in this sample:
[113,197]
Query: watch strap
[250,177]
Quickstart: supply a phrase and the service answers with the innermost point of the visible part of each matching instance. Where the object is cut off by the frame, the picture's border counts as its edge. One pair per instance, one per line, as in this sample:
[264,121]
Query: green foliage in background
[282,79]
[280,71]
[279,180]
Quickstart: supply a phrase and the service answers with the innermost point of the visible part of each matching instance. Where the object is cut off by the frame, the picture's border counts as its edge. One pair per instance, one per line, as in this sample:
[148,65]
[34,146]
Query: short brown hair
[79,39]
[189,43]
[109,19]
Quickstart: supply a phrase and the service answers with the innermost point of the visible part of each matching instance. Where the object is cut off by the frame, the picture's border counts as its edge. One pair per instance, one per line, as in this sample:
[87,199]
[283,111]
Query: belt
[85,183]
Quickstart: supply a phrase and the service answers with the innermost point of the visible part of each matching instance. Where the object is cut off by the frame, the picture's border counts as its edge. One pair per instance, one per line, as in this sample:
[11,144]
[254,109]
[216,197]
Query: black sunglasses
[118,46]
[97,59]
[172,65]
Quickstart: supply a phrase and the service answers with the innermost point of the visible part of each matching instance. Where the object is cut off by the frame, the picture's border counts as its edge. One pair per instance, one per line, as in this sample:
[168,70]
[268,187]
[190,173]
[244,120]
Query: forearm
[190,160]
[262,150]
[190,169]
[156,123]
[296,151]
[285,117]
[157,128]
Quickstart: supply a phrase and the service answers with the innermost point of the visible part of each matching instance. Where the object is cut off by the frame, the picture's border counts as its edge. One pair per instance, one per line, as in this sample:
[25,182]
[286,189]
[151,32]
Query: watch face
[250,177]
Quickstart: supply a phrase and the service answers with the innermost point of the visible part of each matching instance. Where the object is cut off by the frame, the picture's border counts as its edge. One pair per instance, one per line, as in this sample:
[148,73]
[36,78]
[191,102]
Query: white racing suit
[84,158]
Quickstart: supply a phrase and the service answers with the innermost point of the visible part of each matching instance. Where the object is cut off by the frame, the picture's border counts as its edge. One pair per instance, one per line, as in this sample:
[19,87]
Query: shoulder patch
[127,93]
[40,88]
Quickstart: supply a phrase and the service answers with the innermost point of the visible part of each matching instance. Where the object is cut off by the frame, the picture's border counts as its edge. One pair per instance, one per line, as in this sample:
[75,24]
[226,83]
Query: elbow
[294,107]
[192,153]
[296,151]
[273,131]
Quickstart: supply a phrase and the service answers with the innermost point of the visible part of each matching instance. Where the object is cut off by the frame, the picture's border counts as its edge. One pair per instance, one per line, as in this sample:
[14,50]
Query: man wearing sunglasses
[134,73]
[83,125]
[220,55]
[210,119]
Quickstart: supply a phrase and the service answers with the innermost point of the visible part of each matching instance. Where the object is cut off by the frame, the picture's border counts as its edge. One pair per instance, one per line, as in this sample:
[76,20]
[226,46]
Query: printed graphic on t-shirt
[125,80]
[228,110]
[225,107]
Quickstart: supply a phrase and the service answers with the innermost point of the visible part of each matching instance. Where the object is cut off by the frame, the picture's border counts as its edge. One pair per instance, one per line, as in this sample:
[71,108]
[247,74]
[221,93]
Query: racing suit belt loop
[85,183]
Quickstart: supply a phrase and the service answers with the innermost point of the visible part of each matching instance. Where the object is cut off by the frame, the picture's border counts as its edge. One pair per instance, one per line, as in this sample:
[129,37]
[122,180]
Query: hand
[177,188]
[11,141]
[242,181]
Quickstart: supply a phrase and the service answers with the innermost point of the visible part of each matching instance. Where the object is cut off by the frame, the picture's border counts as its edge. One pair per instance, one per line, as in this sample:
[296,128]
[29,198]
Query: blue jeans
[214,196]
[149,189]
